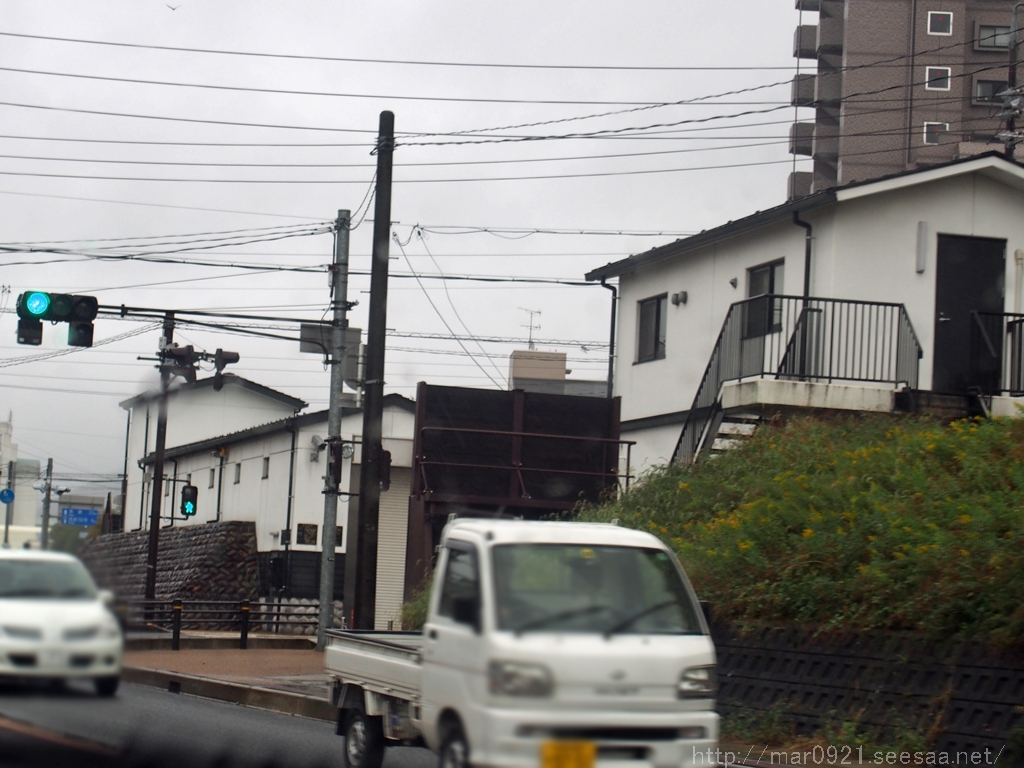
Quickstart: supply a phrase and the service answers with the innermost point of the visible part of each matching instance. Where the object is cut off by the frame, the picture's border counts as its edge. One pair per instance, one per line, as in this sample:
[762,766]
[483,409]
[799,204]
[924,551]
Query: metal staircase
[794,338]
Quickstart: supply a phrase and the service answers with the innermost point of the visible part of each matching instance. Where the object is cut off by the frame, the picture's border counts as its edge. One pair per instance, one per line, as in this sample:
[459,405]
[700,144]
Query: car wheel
[364,740]
[106,686]
[455,749]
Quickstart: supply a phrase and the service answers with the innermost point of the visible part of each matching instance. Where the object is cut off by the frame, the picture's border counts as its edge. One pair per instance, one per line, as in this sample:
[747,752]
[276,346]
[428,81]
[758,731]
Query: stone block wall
[198,562]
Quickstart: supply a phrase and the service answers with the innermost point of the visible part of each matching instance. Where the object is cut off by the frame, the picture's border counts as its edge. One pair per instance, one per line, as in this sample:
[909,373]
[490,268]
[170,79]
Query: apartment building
[896,85]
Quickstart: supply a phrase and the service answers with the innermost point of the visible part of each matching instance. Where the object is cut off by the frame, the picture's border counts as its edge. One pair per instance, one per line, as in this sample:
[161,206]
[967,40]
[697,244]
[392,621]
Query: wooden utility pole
[361,552]
[158,463]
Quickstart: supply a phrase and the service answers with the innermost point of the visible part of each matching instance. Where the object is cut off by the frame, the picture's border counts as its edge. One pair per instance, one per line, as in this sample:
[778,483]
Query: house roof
[230,380]
[292,422]
[991,164]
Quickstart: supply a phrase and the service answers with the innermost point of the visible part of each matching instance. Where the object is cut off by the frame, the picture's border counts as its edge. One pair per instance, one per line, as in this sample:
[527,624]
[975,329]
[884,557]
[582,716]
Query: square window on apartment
[937,78]
[762,314]
[991,37]
[266,467]
[238,473]
[933,132]
[940,23]
[985,91]
[651,321]
[213,478]
[306,534]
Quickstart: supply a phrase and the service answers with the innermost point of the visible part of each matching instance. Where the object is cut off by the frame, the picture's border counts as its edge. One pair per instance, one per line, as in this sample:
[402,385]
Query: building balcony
[799,184]
[802,91]
[828,88]
[805,42]
[830,35]
[808,5]
[801,139]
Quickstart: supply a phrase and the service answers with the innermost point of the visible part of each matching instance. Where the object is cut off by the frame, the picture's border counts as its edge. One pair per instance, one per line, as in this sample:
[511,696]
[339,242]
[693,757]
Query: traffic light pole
[361,552]
[158,463]
[45,540]
[328,542]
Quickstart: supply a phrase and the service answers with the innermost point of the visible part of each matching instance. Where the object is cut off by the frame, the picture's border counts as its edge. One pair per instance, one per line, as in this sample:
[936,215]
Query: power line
[333,94]
[412,62]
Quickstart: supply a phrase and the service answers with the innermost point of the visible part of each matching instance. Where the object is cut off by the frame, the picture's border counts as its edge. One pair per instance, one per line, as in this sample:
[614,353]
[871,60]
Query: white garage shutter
[391,534]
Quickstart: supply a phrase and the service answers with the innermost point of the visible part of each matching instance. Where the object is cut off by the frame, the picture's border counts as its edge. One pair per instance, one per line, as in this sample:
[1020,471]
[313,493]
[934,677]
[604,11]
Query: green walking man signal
[78,312]
[189,497]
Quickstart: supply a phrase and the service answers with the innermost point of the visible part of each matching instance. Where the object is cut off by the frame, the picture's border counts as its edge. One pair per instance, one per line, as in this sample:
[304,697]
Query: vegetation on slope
[851,522]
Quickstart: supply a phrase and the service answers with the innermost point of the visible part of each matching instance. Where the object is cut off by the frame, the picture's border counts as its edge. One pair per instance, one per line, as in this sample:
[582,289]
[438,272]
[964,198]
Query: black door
[969,278]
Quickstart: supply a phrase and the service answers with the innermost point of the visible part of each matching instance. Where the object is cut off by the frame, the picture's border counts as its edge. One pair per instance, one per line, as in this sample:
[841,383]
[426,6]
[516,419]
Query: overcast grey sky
[67,408]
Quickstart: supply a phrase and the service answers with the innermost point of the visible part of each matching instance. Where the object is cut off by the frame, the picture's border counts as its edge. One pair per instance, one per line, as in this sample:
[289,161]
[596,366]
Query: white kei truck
[547,644]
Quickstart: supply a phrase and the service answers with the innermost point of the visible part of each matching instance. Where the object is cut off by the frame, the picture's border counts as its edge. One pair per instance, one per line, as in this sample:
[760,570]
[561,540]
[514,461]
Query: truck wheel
[364,740]
[455,749]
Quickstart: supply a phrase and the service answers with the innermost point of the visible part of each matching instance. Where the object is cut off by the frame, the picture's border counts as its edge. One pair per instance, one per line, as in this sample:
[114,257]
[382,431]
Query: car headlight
[514,678]
[698,683]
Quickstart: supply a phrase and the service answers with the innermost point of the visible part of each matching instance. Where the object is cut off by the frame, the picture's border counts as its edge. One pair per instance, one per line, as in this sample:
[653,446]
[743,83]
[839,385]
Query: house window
[307,534]
[992,37]
[985,91]
[213,478]
[238,473]
[933,132]
[764,315]
[937,78]
[167,489]
[266,467]
[339,535]
[651,317]
[940,23]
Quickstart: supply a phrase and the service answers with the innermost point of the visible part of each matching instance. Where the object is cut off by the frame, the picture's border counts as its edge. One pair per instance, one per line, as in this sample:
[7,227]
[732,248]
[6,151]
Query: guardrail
[801,339]
[242,616]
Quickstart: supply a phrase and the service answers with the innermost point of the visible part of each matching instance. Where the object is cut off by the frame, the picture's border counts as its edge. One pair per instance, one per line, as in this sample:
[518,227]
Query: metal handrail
[997,353]
[802,339]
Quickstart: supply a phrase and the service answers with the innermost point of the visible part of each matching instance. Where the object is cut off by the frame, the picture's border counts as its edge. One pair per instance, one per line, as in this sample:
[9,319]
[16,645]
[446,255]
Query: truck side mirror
[465,611]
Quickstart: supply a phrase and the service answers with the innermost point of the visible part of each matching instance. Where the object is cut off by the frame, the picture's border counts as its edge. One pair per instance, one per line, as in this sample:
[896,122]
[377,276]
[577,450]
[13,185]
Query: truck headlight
[698,683]
[514,678]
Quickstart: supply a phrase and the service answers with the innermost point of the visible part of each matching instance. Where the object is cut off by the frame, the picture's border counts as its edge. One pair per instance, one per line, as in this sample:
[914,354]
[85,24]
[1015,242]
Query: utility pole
[361,557]
[158,464]
[10,506]
[45,542]
[339,301]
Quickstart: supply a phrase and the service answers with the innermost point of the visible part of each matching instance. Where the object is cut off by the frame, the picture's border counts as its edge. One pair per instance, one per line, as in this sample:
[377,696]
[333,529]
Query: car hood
[52,616]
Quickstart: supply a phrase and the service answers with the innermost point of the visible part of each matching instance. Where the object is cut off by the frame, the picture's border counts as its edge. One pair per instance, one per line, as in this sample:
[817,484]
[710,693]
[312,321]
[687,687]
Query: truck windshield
[593,589]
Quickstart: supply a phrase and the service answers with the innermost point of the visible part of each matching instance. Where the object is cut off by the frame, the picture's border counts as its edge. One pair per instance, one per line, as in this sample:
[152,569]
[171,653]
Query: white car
[54,623]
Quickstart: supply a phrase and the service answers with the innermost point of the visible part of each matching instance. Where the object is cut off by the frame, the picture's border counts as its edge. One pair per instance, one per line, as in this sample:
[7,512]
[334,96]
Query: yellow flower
[871,538]
[808,532]
[744,545]
[964,553]
[965,519]
[684,487]
[898,555]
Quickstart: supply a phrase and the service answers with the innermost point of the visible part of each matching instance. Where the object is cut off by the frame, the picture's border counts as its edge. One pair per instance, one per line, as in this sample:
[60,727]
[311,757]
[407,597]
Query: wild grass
[858,522]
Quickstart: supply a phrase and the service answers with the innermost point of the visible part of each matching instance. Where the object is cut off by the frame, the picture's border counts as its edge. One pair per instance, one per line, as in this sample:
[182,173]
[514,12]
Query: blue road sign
[6,496]
[73,516]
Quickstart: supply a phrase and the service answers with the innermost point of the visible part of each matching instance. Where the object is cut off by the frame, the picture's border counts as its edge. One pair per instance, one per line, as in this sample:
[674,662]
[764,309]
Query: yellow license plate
[568,754]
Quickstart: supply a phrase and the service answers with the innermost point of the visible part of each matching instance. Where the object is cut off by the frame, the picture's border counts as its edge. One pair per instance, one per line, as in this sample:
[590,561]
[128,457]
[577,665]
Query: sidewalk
[288,681]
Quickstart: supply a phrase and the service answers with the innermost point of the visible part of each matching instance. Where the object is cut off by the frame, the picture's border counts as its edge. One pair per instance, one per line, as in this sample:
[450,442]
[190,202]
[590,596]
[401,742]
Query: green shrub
[856,522]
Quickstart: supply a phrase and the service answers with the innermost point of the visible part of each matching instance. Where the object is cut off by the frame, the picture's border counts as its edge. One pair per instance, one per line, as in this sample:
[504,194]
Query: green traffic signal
[36,303]
[189,497]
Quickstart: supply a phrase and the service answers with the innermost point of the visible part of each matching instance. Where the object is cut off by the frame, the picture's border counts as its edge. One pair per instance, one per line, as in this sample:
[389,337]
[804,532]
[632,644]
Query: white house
[914,281]
[270,472]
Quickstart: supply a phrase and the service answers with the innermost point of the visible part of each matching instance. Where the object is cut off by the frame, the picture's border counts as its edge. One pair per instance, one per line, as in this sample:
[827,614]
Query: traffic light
[189,498]
[78,311]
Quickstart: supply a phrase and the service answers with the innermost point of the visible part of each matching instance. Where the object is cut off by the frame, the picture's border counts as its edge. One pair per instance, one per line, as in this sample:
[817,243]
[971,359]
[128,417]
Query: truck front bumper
[627,740]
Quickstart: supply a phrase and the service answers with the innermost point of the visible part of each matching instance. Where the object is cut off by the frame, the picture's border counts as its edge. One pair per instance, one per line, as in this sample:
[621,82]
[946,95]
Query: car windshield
[46,579]
[595,589]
